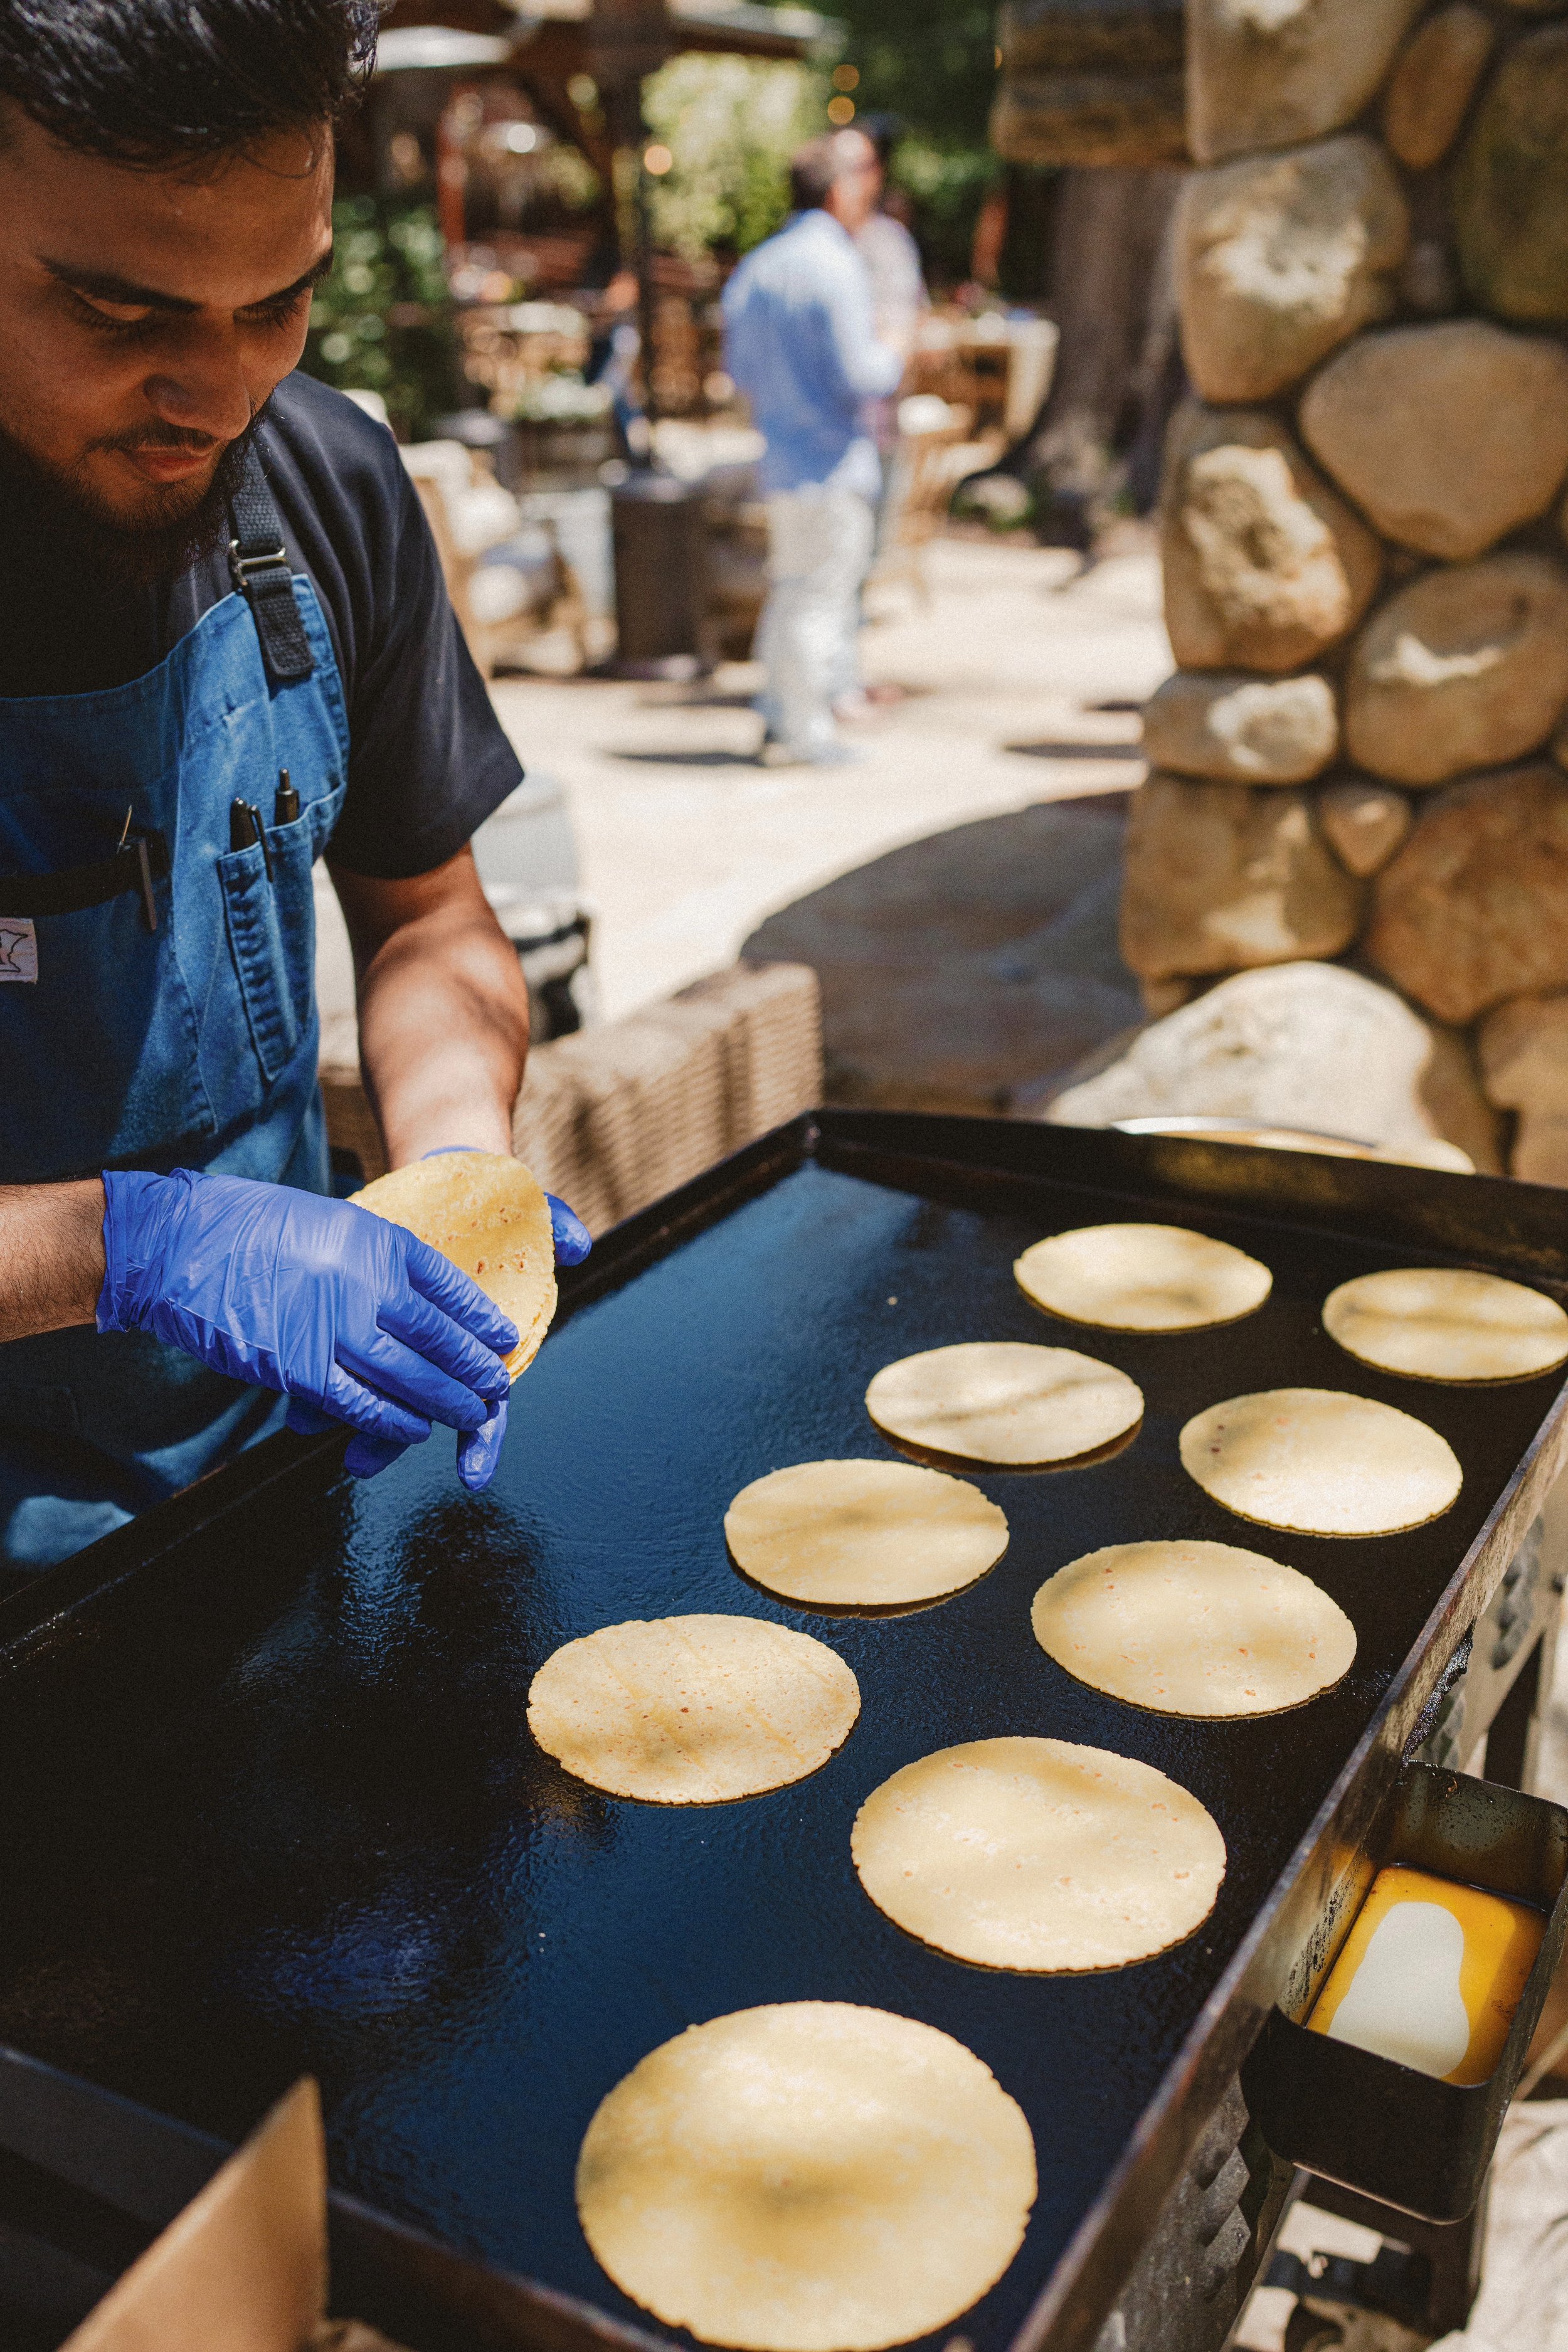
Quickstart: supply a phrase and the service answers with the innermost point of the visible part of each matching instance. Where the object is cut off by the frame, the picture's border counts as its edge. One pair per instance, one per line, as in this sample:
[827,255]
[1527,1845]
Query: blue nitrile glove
[354,1318]
[573,1239]
[479,1454]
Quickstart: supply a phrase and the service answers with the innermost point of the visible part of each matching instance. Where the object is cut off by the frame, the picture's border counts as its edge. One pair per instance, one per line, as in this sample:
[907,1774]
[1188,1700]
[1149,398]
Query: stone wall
[1361,758]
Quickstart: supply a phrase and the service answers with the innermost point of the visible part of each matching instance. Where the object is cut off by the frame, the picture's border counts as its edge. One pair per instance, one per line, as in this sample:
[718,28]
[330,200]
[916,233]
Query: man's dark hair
[884,131]
[818,167]
[150,82]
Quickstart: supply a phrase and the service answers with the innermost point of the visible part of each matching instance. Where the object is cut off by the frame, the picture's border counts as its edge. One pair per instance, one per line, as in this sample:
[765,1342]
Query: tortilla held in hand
[489,1216]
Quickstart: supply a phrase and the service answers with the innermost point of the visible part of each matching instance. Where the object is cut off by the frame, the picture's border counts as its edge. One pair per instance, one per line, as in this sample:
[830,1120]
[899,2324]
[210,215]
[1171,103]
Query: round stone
[1266,566]
[1447,437]
[1280,257]
[1473,910]
[1364,823]
[1269,73]
[1241,730]
[1218,879]
[1511,188]
[1433,84]
[1465,667]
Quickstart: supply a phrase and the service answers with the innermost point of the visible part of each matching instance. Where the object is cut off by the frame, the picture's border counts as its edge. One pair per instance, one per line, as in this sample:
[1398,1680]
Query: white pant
[819,548]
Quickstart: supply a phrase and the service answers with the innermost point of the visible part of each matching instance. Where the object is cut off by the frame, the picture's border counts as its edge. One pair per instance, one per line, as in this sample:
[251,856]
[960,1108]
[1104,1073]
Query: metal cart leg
[1449,2253]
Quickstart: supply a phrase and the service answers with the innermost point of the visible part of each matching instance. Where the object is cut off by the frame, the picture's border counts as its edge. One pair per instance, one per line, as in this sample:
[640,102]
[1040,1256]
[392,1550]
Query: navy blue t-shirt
[429,759]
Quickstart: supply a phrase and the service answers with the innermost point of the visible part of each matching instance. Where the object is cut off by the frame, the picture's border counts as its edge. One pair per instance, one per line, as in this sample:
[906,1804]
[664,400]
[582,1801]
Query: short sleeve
[428,758]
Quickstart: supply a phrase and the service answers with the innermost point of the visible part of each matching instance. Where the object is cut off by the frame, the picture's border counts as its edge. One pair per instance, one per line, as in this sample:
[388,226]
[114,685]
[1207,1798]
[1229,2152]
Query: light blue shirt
[800,343]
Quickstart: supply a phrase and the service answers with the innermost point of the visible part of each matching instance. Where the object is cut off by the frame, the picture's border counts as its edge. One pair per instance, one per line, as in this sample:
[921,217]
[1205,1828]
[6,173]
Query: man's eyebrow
[107,286]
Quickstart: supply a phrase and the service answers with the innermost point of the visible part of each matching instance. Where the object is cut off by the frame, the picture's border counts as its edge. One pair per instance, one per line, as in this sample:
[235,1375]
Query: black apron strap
[258,566]
[135,865]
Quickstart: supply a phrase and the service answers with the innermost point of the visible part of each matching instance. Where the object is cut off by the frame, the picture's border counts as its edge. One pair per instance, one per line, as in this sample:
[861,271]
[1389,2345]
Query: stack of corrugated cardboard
[615,1116]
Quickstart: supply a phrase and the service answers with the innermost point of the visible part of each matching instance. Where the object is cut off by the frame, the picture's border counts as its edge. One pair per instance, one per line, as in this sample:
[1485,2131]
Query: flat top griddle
[269,1800]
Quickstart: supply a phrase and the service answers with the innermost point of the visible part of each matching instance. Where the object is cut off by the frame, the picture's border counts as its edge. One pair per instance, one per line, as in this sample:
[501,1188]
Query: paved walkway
[1022,680]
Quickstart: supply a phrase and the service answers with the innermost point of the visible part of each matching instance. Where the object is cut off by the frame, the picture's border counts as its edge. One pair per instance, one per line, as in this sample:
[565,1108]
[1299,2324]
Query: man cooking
[224,650]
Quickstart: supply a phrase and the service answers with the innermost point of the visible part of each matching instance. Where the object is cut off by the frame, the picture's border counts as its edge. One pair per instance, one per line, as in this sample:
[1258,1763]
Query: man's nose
[203,388]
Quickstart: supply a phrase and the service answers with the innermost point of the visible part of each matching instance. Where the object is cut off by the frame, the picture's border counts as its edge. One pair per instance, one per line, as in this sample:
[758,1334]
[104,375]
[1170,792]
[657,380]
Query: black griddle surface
[291,1817]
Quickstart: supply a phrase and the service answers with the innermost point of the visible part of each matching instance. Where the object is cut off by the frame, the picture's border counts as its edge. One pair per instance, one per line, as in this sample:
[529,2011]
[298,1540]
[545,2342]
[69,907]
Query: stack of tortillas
[693,1710]
[1198,1628]
[1005,1402]
[489,1216]
[809,2177]
[1142,1278]
[1322,1463]
[1446,1323]
[1038,1854]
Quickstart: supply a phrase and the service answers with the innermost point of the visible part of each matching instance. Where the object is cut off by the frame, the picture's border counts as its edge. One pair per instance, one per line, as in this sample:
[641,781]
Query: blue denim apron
[193,1043]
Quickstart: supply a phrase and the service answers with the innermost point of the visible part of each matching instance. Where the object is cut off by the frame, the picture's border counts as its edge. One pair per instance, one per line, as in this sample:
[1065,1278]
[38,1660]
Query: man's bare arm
[443,1009]
[51,1256]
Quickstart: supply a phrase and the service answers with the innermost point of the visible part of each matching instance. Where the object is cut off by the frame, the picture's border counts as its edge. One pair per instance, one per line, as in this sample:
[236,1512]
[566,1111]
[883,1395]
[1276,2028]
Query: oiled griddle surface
[299,1823]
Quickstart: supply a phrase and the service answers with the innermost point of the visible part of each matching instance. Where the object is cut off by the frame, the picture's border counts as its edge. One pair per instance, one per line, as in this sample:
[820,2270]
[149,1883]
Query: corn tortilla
[692,1711]
[863,1535]
[1322,1463]
[1038,1854]
[1004,1401]
[489,1216]
[808,2176]
[1198,1628]
[1446,1323]
[1142,1278]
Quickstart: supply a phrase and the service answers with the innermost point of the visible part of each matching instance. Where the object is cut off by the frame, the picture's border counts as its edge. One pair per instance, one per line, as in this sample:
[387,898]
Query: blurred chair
[934,450]
[502,558]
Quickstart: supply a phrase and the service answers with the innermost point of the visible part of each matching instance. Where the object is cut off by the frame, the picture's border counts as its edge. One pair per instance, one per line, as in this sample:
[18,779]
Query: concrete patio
[1020,682]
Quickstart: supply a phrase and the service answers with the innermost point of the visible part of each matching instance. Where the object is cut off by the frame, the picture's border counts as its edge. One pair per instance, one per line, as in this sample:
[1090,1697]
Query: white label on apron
[18,948]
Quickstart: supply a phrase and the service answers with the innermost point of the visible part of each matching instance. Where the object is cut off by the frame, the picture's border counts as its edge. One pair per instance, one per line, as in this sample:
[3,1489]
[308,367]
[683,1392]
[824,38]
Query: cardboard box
[244,2267]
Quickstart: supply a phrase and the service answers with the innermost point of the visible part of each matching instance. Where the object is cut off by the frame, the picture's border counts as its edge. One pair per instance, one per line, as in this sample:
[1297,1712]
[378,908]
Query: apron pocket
[271,923]
[267,951]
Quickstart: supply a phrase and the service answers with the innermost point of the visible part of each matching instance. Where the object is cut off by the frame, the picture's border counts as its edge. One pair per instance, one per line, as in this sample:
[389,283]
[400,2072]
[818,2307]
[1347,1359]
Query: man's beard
[157,544]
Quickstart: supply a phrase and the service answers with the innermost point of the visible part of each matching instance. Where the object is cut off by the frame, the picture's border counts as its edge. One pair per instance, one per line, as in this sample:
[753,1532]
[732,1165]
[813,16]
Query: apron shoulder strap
[258,566]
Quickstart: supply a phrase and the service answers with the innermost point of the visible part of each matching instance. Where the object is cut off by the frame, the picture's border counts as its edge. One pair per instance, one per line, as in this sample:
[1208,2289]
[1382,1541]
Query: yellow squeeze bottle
[1430,1975]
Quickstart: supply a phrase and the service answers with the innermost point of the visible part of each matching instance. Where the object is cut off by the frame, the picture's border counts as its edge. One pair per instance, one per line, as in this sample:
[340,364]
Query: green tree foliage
[732,125]
[382,321]
[932,62]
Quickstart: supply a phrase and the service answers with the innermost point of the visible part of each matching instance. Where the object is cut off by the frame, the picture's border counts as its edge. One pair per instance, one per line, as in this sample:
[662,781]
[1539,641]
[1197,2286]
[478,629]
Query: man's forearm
[51,1256]
[443,1012]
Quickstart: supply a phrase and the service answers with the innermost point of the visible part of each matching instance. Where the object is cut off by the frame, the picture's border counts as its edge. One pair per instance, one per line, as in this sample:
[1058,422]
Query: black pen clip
[246,829]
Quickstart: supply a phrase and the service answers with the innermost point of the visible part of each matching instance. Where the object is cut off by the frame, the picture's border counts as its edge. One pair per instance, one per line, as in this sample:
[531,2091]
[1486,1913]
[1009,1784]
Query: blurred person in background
[801,342]
[898,301]
[892,258]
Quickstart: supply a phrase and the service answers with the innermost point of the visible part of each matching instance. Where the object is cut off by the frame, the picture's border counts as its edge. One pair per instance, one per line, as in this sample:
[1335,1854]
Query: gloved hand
[573,1239]
[352,1316]
[478,1453]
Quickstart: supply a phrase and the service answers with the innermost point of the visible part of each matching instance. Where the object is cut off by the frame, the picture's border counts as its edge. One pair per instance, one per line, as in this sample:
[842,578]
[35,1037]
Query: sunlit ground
[687,842]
